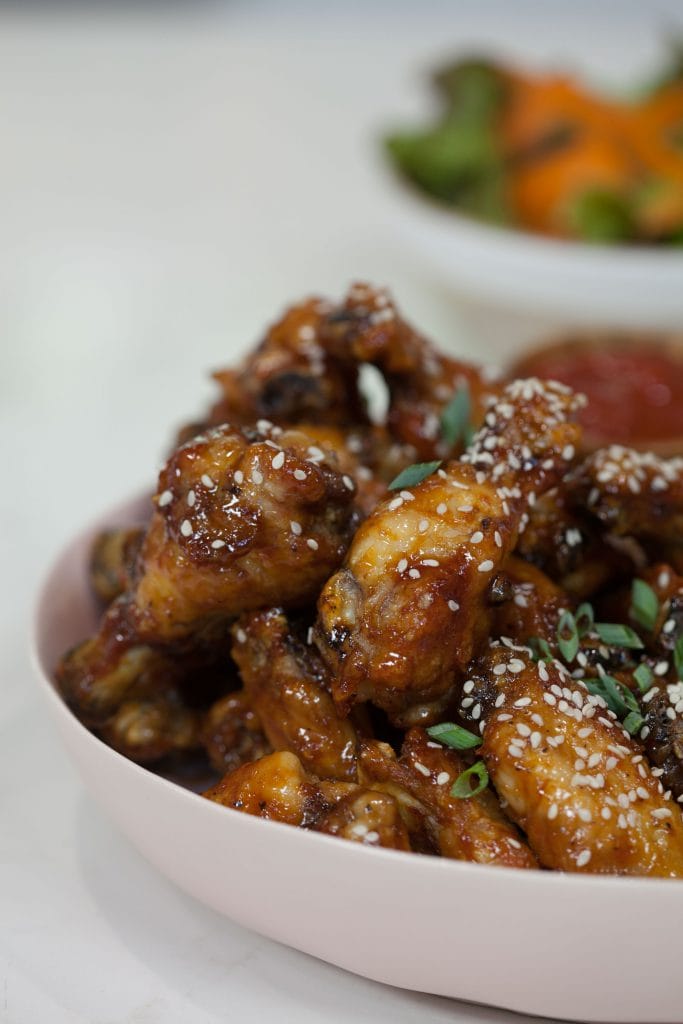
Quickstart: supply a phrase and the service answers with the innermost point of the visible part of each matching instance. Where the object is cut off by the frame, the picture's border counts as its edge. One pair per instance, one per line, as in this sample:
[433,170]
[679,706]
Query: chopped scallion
[462,787]
[455,736]
[644,604]
[415,474]
[613,633]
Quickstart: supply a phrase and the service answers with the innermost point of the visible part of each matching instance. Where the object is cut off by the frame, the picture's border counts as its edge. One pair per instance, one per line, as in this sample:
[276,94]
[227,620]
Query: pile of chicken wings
[453,632]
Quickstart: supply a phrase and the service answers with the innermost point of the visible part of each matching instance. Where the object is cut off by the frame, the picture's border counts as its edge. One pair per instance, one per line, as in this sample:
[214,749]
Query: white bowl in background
[567,946]
[515,288]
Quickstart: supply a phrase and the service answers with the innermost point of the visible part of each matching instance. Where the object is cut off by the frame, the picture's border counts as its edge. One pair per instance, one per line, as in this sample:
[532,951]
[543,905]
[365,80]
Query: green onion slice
[455,418]
[644,676]
[644,604]
[678,657]
[584,618]
[633,723]
[619,698]
[415,474]
[540,649]
[452,735]
[616,635]
[567,636]
[462,787]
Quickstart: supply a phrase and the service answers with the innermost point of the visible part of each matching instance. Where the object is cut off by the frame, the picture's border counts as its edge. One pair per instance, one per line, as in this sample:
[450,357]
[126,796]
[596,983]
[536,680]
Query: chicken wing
[278,788]
[367,328]
[290,378]
[243,519]
[631,493]
[284,683]
[471,829]
[367,817]
[112,561]
[567,772]
[411,604]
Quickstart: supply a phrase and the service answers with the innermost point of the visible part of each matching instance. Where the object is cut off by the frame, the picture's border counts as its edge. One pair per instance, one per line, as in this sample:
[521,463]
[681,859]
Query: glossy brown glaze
[567,772]
[411,604]
[284,680]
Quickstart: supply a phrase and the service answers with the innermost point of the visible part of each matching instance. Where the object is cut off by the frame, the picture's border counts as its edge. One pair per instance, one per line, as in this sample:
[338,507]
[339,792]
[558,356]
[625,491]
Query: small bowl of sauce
[633,382]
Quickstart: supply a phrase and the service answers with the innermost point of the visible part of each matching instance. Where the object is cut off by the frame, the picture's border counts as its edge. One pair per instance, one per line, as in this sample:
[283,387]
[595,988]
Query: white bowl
[514,287]
[571,947]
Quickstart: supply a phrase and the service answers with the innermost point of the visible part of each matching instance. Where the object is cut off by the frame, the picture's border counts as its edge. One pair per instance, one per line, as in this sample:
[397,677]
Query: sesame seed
[348,482]
[642,793]
[241,636]
[499,670]
[500,700]
[552,812]
[442,778]
[477,537]
[312,544]
[299,474]
[278,460]
[207,481]
[468,686]
[431,562]
[498,539]
[165,499]
[186,528]
[191,498]
[216,544]
[419,767]
[295,528]
[256,476]
[476,712]
[402,565]
[395,503]
[568,452]
[239,476]
[414,574]
[523,729]
[423,525]
[485,566]
[453,605]
[442,509]
[523,702]
[585,855]
[584,814]
[661,812]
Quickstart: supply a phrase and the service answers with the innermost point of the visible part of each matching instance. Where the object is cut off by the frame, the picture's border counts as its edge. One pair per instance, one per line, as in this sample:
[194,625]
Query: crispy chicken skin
[367,328]
[231,733]
[410,607]
[290,378]
[567,772]
[243,519]
[473,829]
[284,683]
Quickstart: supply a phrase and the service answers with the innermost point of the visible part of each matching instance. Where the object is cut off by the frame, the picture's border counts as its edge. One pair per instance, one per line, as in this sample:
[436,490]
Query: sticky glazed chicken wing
[410,606]
[421,381]
[567,772]
[284,682]
[243,518]
[290,378]
[441,630]
[473,829]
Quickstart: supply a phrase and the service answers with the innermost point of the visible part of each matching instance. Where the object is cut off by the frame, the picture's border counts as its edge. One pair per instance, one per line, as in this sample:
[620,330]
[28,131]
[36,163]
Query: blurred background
[171,177]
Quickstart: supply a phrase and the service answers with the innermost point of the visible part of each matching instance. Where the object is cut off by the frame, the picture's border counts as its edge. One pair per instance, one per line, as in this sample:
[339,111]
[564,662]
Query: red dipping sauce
[634,388]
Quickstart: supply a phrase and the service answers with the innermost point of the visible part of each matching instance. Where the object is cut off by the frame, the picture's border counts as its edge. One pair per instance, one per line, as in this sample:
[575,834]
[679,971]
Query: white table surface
[167,184]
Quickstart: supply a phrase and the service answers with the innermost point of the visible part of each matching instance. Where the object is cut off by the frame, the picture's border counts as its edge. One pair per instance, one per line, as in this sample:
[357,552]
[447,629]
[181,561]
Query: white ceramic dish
[514,287]
[570,947]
